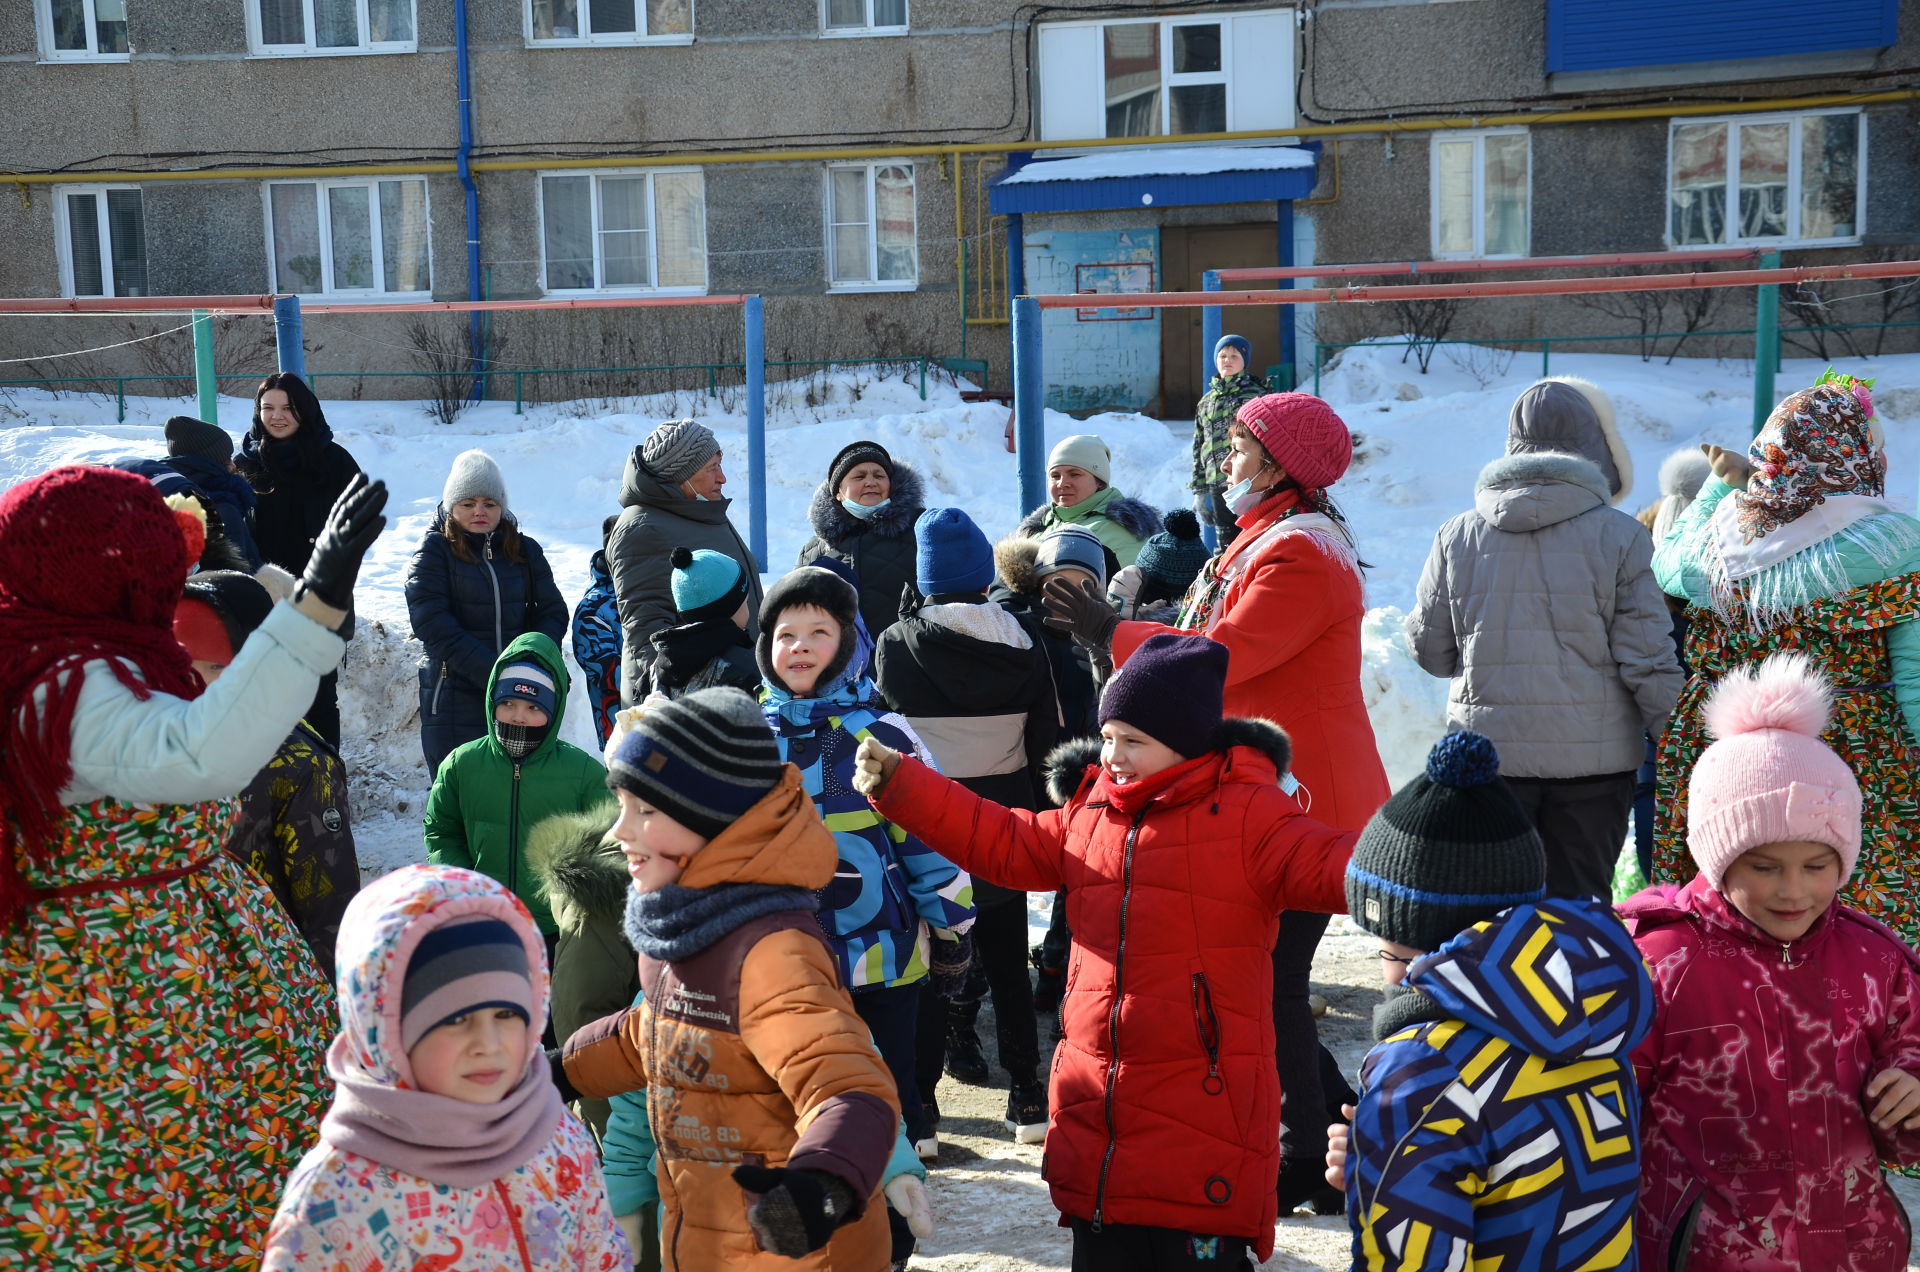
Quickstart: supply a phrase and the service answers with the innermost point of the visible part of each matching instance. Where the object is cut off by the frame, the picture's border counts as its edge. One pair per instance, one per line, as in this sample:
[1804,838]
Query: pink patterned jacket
[1756,1151]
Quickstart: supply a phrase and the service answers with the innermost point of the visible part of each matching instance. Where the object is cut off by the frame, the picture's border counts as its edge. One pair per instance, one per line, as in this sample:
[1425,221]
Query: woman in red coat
[1177,851]
[1286,600]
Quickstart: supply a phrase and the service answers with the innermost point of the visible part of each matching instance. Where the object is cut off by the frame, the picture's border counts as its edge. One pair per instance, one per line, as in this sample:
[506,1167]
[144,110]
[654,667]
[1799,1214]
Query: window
[624,231]
[1166,77]
[577,22]
[1789,179]
[356,238]
[294,27]
[871,239]
[1481,190]
[863,17]
[102,241]
[83,30]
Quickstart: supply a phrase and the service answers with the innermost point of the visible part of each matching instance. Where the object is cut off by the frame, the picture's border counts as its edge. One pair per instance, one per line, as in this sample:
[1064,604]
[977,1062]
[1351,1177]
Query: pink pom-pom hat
[1768,778]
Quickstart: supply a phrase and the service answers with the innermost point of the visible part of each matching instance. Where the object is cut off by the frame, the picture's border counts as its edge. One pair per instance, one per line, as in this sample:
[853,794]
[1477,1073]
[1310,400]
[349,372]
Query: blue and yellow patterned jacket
[1498,1129]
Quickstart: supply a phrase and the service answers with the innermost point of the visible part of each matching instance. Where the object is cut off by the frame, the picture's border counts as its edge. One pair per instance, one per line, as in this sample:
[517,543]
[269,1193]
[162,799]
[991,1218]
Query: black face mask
[521,740]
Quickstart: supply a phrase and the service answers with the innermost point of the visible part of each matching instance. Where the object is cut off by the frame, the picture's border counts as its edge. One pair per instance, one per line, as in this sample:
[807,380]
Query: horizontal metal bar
[134,304]
[550,302]
[1254,273]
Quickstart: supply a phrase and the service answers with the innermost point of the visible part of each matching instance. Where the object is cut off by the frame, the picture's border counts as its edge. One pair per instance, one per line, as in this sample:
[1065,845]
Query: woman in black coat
[475,584]
[297,471]
[863,514]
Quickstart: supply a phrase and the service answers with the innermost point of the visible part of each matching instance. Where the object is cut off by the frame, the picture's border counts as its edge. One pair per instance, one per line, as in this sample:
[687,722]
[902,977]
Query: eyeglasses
[1386,957]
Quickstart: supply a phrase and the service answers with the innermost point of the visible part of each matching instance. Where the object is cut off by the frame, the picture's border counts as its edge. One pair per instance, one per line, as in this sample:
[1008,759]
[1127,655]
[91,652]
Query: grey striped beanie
[1450,848]
[677,449]
[703,760]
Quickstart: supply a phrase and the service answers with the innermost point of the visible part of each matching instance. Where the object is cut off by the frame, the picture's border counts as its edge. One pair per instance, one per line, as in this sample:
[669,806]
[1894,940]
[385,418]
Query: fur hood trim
[1137,517]
[581,866]
[1541,467]
[1609,429]
[1066,765]
[835,525]
[1013,561]
[821,588]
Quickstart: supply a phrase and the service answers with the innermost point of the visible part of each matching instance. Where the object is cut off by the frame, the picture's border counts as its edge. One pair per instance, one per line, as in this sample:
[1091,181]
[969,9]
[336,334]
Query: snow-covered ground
[1421,439]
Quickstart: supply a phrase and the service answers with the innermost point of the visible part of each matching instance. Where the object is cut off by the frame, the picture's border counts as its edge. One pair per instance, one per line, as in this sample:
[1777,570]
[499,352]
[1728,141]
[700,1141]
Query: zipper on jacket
[439,687]
[1113,1017]
[513,1221]
[513,833]
[499,640]
[1208,1023]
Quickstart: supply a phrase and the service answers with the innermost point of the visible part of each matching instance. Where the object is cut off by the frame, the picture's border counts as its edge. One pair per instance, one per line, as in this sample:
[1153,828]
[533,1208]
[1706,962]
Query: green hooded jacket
[484,805]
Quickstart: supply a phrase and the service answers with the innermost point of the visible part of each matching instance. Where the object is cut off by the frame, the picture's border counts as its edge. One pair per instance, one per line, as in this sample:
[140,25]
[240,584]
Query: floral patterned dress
[162,1060]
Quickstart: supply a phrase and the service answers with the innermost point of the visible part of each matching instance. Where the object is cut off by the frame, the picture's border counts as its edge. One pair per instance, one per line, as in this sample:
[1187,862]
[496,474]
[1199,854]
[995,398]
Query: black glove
[793,1212]
[352,526]
[1081,610]
[556,1064]
[949,962]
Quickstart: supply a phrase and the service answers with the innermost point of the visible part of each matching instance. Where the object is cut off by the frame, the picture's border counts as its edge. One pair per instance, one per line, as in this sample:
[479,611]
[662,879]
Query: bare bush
[1652,315]
[1485,363]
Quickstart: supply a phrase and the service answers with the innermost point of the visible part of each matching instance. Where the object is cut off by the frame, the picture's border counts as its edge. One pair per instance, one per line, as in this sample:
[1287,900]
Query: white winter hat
[474,476]
[1084,450]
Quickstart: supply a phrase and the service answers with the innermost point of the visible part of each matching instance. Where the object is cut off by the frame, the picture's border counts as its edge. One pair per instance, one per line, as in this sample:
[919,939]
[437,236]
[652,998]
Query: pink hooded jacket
[1756,1151]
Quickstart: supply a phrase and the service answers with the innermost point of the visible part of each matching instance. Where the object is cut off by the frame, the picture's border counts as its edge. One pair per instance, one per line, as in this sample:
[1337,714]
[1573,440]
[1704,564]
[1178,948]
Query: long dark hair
[509,542]
[306,407]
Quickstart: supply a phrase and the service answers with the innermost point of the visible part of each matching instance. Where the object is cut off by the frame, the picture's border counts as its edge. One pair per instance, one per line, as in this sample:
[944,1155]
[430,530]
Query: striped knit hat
[703,760]
[1452,847]
[464,966]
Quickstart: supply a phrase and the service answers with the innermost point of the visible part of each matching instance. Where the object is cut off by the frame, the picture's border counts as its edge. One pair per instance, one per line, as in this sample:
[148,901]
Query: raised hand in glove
[873,764]
[1081,610]
[352,526]
[793,1212]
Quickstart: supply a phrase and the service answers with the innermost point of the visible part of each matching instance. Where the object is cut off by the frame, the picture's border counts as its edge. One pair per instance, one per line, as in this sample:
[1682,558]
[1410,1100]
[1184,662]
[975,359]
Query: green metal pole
[1546,353]
[203,379]
[516,393]
[1766,343]
[120,401]
[923,377]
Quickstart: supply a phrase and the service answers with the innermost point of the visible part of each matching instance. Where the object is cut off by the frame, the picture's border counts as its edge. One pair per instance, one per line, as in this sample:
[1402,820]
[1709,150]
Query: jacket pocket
[439,687]
[1206,1022]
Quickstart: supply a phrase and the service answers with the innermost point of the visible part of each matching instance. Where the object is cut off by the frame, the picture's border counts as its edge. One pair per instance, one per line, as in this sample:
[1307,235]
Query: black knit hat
[1171,690]
[851,457]
[824,589]
[1172,558]
[240,601]
[189,436]
[703,760]
[1450,848]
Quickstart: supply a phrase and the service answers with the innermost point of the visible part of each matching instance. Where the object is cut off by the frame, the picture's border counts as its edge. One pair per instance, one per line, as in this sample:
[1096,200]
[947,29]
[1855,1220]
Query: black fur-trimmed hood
[1136,517]
[906,501]
[1066,765]
[821,588]
[584,871]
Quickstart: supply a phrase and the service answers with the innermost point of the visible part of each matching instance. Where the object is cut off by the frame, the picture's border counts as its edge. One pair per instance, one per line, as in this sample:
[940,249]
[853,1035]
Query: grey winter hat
[474,476]
[1450,848]
[703,760]
[677,449]
[188,436]
[1071,548]
[1571,416]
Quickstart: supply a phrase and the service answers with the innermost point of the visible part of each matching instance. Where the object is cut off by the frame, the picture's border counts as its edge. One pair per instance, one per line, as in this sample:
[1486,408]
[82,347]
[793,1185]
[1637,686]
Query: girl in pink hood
[447,1146]
[1784,1062]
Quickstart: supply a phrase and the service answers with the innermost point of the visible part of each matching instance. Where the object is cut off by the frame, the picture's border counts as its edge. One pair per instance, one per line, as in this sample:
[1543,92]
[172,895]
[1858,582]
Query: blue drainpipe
[476,342]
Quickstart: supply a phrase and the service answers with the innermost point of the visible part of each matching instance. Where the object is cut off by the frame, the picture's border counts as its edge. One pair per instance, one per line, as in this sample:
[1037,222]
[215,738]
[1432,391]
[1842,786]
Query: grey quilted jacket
[1541,606]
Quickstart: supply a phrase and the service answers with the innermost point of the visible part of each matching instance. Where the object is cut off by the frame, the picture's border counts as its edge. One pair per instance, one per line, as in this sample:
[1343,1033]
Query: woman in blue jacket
[475,583]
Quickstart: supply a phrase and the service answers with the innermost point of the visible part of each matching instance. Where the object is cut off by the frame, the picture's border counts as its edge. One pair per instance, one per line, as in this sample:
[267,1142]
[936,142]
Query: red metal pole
[1257,273]
[136,304]
[470,306]
[1472,291]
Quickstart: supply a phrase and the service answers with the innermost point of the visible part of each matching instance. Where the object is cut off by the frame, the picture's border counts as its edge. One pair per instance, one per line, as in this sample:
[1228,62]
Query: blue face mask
[862,511]
[1241,498]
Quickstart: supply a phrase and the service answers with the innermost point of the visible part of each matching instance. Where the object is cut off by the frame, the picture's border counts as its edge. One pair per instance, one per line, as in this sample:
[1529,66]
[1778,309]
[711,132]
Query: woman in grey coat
[1541,605]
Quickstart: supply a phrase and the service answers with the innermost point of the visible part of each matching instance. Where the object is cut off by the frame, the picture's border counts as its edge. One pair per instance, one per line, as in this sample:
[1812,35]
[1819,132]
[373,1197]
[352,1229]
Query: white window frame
[1791,239]
[43,22]
[867,29]
[324,226]
[257,47]
[614,38]
[63,235]
[870,167]
[653,233]
[1169,78]
[1478,137]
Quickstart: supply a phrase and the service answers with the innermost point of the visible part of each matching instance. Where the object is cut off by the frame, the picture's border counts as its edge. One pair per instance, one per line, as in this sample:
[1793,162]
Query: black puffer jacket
[467,612]
[1017,590]
[296,483]
[881,550]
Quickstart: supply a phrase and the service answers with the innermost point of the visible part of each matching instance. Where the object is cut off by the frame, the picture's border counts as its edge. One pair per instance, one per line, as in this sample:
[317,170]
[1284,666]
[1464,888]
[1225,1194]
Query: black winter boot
[966,1062]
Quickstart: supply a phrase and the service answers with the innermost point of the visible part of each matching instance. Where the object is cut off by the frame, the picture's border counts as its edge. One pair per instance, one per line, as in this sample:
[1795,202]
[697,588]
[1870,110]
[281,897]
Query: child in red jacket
[1178,851]
[1784,1062]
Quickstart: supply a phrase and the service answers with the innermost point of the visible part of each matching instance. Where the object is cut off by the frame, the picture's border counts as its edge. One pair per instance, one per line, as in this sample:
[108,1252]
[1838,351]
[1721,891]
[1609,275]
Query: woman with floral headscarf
[1793,547]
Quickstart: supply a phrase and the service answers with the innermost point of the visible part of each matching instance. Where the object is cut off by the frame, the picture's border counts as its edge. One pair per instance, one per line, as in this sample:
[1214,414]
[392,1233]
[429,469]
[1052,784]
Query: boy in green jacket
[493,791]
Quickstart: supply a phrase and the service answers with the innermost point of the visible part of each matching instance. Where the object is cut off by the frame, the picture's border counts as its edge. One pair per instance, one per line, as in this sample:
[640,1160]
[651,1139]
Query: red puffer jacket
[1166,1110]
[1756,1152]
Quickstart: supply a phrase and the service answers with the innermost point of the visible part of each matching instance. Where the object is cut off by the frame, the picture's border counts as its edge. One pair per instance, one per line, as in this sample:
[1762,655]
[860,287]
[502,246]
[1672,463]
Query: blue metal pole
[1289,352]
[754,354]
[1029,403]
[1016,255]
[291,352]
[476,338]
[1212,327]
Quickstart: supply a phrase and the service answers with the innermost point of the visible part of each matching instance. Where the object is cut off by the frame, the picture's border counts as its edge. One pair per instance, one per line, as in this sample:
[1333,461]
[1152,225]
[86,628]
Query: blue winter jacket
[229,494]
[1499,1127]
[596,645]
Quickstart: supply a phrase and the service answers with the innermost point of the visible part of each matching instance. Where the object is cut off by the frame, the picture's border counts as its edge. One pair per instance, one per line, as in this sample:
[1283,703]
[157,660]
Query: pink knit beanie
[1302,434]
[1768,778]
